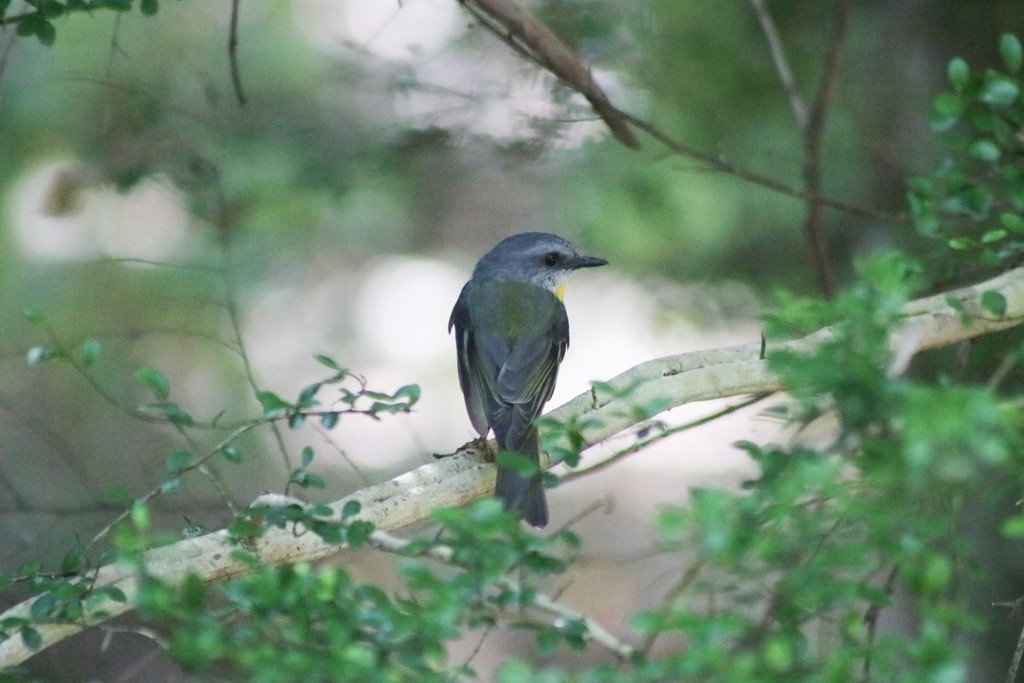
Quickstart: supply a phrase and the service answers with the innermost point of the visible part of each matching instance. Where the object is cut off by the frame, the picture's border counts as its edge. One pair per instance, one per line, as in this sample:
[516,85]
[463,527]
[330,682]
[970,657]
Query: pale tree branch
[719,373]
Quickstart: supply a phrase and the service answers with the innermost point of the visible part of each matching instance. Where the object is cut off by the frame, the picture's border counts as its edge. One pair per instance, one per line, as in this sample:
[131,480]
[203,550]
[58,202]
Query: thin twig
[678,588]
[1018,652]
[1008,363]
[108,113]
[225,229]
[344,456]
[771,34]
[717,163]
[5,53]
[814,133]
[199,463]
[236,76]
[642,444]
[871,619]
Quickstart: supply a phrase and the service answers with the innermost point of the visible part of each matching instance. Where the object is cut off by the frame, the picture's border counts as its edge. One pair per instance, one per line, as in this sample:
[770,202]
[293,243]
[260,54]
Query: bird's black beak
[587,262]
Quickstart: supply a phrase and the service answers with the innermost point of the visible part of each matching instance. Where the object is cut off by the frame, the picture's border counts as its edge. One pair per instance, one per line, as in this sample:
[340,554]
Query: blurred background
[382,148]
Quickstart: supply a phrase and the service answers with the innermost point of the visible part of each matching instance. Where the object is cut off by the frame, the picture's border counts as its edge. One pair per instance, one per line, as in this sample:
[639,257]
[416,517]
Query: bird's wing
[526,378]
[472,375]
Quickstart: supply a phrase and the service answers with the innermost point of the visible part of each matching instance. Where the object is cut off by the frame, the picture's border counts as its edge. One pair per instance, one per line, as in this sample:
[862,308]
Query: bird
[511,333]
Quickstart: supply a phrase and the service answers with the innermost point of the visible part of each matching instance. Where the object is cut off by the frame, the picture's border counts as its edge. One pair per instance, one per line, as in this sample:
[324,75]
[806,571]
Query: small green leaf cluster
[563,440]
[294,623]
[811,549]
[488,543]
[483,546]
[59,598]
[784,580]
[353,397]
[973,202]
[321,520]
[38,20]
[298,623]
[850,364]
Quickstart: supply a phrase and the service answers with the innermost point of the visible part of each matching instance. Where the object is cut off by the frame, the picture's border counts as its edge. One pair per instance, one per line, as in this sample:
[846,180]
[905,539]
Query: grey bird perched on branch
[511,332]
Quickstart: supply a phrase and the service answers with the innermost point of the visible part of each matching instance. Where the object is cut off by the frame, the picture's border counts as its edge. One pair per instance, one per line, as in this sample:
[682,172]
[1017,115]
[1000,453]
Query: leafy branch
[930,322]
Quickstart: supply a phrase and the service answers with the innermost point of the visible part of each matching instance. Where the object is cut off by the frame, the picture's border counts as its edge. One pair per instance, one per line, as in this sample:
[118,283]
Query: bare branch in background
[532,38]
[771,34]
[814,135]
[236,75]
[9,39]
[717,163]
[811,122]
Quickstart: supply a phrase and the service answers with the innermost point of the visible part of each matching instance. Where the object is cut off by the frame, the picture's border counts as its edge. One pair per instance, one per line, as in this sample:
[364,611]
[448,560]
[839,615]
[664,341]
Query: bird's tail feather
[524,494]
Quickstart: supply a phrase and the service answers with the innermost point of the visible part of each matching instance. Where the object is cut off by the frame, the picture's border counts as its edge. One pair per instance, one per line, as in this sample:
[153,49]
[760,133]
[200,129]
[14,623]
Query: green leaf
[90,352]
[358,532]
[46,33]
[958,73]
[32,316]
[410,392]
[647,623]
[178,460]
[232,454]
[946,111]
[116,494]
[149,7]
[1012,222]
[922,187]
[1010,51]
[296,420]
[140,514]
[43,606]
[999,91]
[31,638]
[1014,526]
[994,302]
[35,24]
[175,414]
[518,462]
[993,236]
[171,485]
[984,149]
[329,362]
[329,420]
[307,456]
[351,508]
[113,593]
[155,380]
[307,395]
[273,405]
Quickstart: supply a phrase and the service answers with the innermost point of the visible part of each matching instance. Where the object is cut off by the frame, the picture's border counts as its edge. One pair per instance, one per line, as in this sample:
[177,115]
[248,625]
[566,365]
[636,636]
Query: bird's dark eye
[552,258]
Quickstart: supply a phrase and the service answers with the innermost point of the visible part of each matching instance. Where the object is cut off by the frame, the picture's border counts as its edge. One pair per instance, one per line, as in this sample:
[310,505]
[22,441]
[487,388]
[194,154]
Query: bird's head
[540,258]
